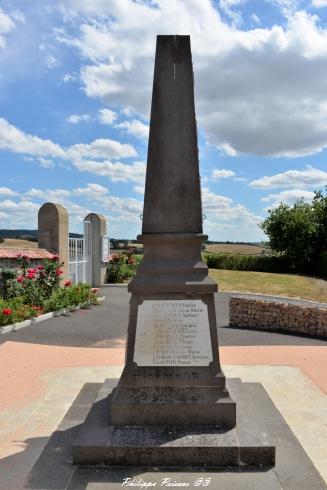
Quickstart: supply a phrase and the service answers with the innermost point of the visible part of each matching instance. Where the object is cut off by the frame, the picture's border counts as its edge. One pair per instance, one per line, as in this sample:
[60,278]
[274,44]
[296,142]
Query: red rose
[20,279]
[55,257]
[40,267]
[67,284]
[7,311]
[31,275]
[31,270]
[58,272]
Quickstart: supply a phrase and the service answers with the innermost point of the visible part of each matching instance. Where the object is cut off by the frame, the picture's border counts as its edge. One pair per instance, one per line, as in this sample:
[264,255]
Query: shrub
[122,267]
[35,284]
[14,311]
[260,263]
[322,265]
[6,276]
[73,295]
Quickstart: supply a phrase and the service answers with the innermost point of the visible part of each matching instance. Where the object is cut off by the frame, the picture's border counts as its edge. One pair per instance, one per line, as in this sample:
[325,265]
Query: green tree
[299,232]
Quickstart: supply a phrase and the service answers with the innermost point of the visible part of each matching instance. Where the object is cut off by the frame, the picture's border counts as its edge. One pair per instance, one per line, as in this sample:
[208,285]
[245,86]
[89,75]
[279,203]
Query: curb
[114,285]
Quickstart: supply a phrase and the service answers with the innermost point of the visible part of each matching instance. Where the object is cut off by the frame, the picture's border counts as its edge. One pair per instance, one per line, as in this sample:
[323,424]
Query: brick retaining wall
[273,315]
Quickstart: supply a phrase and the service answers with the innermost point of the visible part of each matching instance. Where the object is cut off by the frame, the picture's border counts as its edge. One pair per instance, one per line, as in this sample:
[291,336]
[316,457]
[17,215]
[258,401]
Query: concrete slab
[100,443]
[54,469]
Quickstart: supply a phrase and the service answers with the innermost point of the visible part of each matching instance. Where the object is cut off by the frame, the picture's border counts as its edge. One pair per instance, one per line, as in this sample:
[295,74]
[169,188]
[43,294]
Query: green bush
[238,262]
[14,311]
[321,269]
[122,267]
[71,295]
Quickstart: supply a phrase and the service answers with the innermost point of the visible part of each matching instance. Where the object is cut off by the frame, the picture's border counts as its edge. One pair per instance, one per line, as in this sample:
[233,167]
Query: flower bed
[29,292]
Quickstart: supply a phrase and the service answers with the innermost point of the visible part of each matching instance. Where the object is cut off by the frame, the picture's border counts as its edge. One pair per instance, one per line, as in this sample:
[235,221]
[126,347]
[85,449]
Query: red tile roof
[31,253]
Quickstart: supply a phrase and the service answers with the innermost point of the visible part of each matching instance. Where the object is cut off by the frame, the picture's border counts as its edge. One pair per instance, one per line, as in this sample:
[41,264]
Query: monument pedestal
[170,446]
[172,373]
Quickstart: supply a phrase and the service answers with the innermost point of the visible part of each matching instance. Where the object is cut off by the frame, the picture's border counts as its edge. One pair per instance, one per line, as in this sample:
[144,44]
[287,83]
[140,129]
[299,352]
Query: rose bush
[122,267]
[31,291]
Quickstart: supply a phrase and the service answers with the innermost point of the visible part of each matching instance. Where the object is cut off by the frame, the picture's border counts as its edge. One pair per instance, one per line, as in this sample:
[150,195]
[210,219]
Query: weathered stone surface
[53,232]
[98,229]
[166,445]
[273,315]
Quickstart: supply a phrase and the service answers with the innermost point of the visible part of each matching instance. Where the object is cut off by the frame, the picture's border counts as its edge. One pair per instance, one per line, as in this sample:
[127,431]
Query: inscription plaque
[173,333]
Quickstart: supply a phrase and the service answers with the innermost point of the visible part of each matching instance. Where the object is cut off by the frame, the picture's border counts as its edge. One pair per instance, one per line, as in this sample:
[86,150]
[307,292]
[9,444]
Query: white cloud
[6,25]
[51,61]
[319,3]
[255,19]
[288,197]
[15,140]
[45,162]
[310,177]
[117,171]
[92,191]
[18,214]
[101,148]
[139,189]
[69,78]
[5,191]
[135,128]
[18,16]
[221,173]
[53,195]
[75,118]
[107,116]
[259,91]
[224,209]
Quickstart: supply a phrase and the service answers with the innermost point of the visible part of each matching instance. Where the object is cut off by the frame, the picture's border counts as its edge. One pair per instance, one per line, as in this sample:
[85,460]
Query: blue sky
[75,92]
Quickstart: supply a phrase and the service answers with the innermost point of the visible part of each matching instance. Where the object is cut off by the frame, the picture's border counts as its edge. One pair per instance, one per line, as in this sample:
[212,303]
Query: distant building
[9,259]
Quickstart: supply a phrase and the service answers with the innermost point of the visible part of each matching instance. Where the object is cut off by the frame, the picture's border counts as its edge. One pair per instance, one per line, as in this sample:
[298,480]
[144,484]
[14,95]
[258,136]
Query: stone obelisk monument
[171,405]
[172,364]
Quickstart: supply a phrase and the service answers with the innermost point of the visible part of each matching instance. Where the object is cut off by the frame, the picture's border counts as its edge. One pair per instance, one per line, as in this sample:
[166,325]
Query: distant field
[235,248]
[17,243]
[290,285]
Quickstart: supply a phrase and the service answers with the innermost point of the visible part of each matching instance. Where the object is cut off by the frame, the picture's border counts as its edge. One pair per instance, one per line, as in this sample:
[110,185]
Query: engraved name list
[173,333]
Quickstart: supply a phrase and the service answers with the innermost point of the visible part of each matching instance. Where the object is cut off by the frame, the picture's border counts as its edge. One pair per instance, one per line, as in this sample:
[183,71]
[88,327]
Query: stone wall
[278,316]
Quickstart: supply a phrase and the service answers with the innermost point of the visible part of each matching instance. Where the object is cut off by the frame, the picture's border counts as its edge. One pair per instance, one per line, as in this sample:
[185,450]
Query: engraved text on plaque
[173,333]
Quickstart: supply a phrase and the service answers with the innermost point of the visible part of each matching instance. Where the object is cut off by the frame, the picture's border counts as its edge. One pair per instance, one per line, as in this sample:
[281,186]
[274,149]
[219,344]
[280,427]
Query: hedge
[238,262]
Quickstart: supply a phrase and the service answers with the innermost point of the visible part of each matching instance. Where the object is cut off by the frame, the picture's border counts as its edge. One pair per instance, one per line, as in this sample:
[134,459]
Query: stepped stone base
[98,443]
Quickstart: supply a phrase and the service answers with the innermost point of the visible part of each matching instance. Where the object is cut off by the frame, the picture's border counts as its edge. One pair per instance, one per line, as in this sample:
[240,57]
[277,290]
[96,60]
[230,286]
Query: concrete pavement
[50,374]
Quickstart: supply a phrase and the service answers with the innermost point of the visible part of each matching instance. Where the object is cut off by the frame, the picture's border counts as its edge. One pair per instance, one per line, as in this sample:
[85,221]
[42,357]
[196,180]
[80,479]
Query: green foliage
[122,267]
[34,284]
[14,310]
[299,232]
[79,294]
[6,276]
[238,262]
[321,268]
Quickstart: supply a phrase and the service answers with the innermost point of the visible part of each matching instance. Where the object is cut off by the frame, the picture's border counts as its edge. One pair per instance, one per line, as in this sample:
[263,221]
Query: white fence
[80,256]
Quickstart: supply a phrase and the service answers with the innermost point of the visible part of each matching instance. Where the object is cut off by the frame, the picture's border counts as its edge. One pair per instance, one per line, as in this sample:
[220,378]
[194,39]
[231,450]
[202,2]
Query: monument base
[169,446]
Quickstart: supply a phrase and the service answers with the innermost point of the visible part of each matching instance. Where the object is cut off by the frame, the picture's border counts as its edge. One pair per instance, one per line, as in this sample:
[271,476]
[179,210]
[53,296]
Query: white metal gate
[80,256]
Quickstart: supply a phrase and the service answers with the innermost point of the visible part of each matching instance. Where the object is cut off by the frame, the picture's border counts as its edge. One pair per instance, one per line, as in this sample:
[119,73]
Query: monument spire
[172,201]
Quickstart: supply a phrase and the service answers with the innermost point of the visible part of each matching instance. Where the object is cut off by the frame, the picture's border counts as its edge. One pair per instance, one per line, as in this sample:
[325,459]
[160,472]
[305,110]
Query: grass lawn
[290,285]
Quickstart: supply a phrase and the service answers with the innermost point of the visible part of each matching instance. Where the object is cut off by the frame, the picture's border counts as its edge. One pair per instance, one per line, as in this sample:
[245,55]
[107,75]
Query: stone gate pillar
[98,230]
[53,232]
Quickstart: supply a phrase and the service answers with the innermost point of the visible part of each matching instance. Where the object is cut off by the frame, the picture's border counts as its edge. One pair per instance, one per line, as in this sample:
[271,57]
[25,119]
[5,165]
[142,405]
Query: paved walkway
[43,368]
